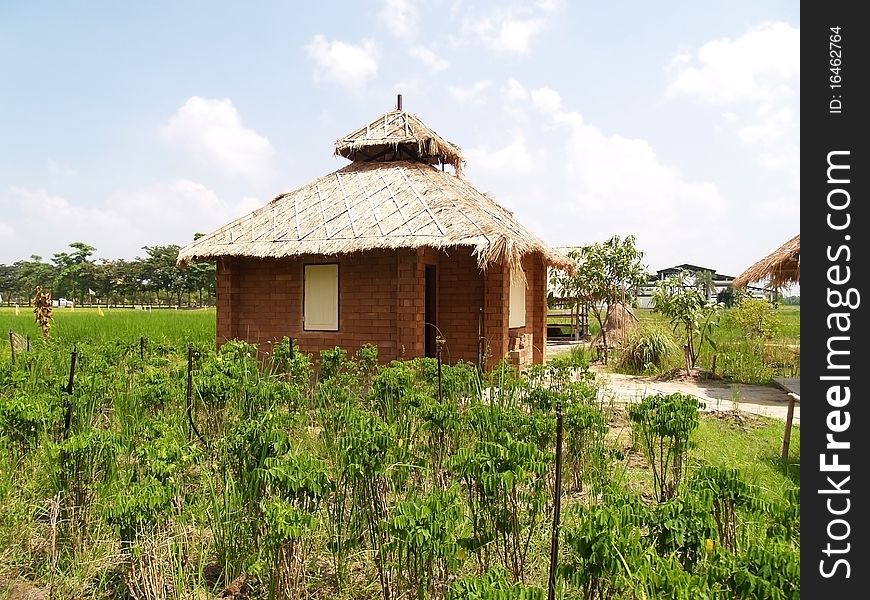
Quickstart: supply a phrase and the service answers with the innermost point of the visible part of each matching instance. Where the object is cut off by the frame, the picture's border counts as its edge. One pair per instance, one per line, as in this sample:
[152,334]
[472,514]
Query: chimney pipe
[399,102]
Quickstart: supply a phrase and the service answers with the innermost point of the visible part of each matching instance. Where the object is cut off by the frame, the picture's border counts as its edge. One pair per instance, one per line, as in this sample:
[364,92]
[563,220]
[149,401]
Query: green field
[122,325]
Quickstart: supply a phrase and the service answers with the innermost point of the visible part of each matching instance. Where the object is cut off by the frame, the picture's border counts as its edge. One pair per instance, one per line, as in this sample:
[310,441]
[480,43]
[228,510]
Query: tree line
[154,279]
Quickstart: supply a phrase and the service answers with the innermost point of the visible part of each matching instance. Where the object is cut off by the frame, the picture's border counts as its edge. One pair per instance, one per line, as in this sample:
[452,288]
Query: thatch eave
[781,268]
[372,206]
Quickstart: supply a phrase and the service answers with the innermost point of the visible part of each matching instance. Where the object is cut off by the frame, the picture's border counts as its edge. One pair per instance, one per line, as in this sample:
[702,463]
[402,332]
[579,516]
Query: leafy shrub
[492,585]
[757,318]
[664,425]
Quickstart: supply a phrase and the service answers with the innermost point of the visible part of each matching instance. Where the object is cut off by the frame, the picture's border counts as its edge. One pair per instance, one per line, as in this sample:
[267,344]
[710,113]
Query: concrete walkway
[768,401]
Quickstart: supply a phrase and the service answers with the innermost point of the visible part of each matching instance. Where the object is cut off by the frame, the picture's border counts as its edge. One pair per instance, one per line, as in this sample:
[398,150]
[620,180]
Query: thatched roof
[780,268]
[399,135]
[376,205]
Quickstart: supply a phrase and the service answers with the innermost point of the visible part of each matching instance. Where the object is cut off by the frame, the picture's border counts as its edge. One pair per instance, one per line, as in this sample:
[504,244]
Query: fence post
[786,438]
[67,417]
[189,393]
[12,346]
[480,341]
[557,507]
[72,370]
[193,430]
[439,342]
[142,348]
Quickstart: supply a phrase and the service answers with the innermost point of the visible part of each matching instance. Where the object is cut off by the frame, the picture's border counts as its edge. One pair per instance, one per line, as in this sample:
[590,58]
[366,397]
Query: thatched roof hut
[780,268]
[391,196]
[395,249]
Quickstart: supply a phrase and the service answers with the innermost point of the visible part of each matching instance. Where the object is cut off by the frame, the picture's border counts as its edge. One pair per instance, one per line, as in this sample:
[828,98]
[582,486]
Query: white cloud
[346,65]
[503,34]
[6,230]
[508,30]
[756,76]
[773,123]
[588,185]
[515,92]
[515,158]
[761,65]
[429,58]
[400,16]
[212,132]
[157,214]
[471,93]
[546,99]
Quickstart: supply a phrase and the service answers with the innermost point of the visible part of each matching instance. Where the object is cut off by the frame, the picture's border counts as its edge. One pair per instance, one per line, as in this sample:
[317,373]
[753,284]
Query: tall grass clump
[648,349]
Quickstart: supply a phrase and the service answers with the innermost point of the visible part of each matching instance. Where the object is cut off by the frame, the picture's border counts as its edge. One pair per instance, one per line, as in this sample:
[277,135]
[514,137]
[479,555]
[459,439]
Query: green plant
[492,585]
[603,546]
[423,539]
[504,482]
[726,491]
[757,318]
[664,424]
[606,274]
[296,485]
[685,304]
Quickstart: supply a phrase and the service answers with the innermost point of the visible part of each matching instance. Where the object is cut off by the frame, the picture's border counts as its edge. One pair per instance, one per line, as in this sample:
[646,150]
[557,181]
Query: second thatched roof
[377,205]
[399,135]
[780,268]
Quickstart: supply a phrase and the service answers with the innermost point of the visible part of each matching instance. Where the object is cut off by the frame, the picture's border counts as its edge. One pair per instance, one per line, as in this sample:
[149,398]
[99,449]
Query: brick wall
[460,299]
[261,301]
[496,300]
[409,283]
[381,301]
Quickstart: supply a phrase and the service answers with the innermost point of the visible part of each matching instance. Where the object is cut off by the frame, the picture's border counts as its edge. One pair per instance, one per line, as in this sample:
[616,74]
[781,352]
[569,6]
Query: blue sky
[128,124]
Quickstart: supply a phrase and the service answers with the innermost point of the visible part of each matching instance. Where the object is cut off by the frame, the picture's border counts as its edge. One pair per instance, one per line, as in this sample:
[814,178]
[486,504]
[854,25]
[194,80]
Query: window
[320,307]
[517,307]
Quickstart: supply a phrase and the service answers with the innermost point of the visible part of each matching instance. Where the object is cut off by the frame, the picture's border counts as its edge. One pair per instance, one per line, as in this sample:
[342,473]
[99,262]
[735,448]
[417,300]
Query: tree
[75,273]
[8,282]
[164,273]
[200,277]
[32,273]
[682,301]
[704,281]
[607,274]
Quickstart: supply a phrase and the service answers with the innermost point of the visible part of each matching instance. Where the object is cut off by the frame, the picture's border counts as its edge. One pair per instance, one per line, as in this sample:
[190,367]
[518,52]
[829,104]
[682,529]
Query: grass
[87,325]
[737,358]
[753,445]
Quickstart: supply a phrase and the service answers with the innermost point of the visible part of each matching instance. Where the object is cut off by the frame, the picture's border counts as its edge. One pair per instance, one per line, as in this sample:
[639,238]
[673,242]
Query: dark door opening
[430,314]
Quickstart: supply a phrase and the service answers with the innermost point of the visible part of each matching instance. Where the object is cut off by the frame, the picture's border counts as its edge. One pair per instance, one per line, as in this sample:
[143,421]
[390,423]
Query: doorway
[430,312]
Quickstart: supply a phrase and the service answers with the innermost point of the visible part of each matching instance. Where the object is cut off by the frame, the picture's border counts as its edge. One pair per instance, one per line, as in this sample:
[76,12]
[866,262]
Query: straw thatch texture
[780,268]
[375,205]
[622,321]
[399,135]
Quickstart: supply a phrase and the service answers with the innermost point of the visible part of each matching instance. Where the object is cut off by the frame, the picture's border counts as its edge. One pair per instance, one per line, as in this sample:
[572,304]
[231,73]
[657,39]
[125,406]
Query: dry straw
[392,196]
[779,269]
